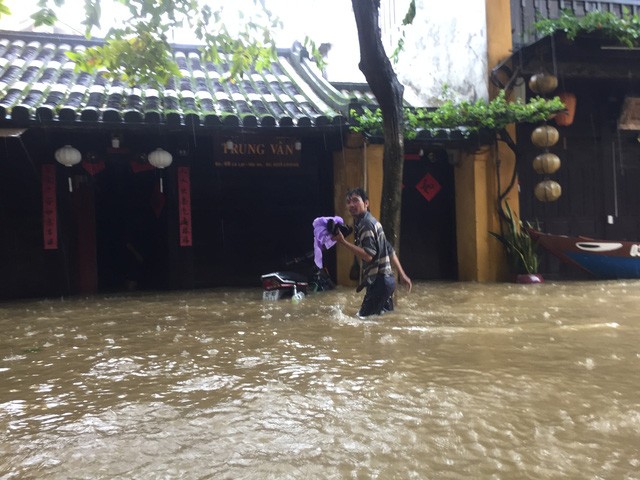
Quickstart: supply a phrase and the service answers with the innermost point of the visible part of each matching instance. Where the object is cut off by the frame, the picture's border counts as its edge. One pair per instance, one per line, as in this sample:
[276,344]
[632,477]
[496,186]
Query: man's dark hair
[358,192]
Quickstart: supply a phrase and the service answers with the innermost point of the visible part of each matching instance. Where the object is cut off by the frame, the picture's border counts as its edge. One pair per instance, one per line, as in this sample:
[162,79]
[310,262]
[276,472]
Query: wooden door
[428,240]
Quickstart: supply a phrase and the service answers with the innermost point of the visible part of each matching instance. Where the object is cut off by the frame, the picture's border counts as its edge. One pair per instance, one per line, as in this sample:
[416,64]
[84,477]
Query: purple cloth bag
[322,237]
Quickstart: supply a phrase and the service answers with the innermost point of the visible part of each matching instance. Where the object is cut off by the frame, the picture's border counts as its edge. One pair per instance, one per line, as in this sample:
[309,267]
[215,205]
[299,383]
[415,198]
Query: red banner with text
[49,207]
[184,206]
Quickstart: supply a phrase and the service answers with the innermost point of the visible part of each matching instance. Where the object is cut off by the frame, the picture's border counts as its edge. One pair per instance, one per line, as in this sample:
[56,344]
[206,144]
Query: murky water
[462,381]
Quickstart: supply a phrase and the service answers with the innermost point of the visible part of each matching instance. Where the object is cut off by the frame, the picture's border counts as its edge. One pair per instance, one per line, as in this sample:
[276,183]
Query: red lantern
[565,118]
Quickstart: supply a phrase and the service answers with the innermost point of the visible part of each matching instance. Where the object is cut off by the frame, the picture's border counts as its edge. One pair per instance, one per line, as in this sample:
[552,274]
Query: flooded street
[463,380]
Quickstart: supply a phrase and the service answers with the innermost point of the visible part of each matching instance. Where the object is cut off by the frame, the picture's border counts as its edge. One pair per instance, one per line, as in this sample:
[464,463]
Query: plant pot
[528,278]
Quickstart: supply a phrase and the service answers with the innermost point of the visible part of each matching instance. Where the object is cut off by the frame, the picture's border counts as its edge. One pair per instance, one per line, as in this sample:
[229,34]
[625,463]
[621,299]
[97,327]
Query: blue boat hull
[603,266]
[605,259]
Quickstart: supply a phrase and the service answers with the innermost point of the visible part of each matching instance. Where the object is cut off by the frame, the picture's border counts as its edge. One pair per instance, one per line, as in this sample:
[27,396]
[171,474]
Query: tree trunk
[379,73]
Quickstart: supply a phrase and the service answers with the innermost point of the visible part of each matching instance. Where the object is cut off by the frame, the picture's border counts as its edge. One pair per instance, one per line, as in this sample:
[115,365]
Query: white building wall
[445,45]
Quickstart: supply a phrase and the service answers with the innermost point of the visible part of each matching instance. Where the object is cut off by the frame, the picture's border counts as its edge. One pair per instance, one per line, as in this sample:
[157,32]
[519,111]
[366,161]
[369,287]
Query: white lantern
[68,156]
[160,158]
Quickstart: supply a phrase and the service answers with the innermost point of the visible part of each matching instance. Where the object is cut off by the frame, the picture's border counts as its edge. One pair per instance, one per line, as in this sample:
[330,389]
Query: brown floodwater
[463,380]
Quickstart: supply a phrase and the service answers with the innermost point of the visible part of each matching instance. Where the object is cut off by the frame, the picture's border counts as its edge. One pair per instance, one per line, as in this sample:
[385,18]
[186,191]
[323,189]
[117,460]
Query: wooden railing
[525,12]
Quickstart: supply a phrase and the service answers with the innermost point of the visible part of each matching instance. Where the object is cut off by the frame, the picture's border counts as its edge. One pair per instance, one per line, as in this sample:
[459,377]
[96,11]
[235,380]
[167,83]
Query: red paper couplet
[49,207]
[428,186]
[184,206]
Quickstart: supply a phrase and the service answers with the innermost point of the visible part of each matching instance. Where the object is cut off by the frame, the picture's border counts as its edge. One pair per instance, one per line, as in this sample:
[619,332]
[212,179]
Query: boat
[603,259]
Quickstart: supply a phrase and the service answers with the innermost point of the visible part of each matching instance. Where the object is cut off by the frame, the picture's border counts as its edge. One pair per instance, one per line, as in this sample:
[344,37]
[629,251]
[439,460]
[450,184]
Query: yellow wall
[480,256]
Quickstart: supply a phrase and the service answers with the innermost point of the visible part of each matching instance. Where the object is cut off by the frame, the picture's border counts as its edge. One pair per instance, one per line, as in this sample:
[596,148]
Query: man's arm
[359,252]
[402,277]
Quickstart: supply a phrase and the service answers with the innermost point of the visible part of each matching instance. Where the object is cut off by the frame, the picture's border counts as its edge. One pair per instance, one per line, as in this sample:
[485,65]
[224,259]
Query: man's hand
[357,251]
[404,280]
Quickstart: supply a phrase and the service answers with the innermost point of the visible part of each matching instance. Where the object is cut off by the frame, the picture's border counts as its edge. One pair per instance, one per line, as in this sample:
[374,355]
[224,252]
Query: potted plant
[521,249]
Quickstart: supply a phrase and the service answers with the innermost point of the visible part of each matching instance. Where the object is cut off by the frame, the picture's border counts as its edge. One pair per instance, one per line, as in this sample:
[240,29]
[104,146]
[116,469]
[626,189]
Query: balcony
[523,14]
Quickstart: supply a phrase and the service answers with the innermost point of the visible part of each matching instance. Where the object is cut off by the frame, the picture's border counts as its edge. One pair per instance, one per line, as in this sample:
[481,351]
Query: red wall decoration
[49,207]
[428,186]
[184,206]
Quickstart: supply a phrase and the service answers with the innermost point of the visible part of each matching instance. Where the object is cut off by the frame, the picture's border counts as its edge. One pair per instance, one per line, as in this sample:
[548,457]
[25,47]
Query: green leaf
[520,247]
[471,117]
[624,29]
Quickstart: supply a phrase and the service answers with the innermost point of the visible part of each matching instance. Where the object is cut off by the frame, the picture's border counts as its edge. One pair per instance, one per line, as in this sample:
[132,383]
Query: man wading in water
[376,254]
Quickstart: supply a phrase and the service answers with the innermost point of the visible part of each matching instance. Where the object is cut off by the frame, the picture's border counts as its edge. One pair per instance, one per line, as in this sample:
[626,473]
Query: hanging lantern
[160,158]
[545,136]
[68,156]
[543,83]
[546,163]
[548,191]
[565,118]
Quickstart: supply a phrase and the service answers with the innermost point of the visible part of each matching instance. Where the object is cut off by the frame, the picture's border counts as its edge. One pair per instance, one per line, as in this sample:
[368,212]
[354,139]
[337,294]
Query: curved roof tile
[38,83]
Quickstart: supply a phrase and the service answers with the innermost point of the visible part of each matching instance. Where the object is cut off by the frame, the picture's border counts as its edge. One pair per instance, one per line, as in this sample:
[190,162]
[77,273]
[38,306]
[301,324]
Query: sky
[325,21]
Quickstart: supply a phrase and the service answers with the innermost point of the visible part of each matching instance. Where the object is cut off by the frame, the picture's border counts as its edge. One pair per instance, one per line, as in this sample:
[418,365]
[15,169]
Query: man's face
[356,205]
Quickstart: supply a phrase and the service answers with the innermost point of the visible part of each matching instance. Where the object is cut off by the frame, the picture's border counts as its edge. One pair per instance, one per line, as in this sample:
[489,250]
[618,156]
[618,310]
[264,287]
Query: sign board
[251,151]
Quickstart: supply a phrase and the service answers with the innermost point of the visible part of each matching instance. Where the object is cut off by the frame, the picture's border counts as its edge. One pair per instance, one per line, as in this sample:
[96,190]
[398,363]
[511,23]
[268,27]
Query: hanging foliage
[624,29]
[469,117]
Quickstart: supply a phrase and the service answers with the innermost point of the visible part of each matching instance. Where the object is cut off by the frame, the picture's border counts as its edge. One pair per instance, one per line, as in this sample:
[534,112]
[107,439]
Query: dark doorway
[428,240]
[131,219]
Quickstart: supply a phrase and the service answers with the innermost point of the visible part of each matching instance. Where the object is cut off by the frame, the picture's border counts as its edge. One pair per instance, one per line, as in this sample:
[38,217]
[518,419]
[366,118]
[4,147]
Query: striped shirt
[370,236]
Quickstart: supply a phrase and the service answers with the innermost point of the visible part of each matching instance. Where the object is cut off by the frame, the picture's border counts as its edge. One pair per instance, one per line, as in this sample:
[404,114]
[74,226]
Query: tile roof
[38,84]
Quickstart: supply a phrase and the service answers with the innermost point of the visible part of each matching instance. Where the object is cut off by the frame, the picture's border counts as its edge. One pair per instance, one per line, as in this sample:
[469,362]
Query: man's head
[357,202]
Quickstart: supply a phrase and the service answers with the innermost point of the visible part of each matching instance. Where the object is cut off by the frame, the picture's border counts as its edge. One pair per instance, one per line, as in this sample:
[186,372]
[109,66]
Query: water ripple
[461,381]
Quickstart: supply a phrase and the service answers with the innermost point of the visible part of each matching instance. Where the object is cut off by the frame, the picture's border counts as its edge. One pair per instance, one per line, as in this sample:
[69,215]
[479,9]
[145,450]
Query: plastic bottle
[297,296]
